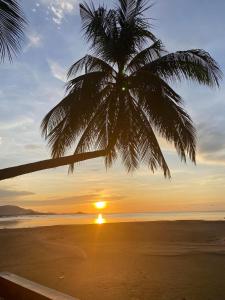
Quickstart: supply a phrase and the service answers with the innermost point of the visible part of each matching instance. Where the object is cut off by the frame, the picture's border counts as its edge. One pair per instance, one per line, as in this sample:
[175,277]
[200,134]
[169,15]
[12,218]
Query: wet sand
[149,260]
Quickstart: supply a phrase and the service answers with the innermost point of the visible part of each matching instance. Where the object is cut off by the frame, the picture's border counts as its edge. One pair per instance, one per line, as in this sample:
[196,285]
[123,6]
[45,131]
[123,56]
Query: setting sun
[100,204]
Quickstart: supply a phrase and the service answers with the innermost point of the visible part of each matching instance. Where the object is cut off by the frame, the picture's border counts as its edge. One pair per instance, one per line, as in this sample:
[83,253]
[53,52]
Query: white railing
[13,287]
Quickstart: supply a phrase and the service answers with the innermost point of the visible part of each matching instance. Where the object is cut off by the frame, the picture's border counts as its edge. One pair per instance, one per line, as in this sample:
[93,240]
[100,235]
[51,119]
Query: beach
[143,260]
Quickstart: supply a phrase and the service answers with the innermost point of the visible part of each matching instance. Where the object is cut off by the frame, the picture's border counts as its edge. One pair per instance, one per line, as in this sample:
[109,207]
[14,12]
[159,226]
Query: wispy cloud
[19,122]
[76,199]
[34,40]
[33,147]
[57,71]
[10,194]
[72,200]
[210,124]
[60,8]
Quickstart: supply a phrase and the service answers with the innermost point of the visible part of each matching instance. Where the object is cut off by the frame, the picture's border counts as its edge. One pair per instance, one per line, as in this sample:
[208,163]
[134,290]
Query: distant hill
[11,210]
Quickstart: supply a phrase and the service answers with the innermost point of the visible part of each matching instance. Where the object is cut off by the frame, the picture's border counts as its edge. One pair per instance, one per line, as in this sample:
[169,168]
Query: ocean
[70,219]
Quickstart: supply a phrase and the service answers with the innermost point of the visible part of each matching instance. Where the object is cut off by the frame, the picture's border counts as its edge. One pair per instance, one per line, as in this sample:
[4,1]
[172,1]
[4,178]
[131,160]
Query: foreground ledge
[15,287]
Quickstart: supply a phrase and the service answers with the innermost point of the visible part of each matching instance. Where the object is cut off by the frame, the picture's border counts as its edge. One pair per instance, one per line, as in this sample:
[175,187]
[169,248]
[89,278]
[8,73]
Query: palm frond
[134,138]
[195,64]
[146,56]
[90,63]
[12,24]
[90,79]
[149,82]
[133,28]
[66,121]
[168,118]
[96,132]
[149,149]
[128,138]
[117,33]
[97,25]
[128,10]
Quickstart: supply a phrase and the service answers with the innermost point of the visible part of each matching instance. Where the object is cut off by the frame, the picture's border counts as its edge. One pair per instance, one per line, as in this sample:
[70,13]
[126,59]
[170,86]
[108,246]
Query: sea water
[70,219]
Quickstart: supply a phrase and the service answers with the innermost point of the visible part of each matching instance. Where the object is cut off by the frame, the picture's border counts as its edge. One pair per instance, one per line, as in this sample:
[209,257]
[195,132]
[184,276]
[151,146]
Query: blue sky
[34,82]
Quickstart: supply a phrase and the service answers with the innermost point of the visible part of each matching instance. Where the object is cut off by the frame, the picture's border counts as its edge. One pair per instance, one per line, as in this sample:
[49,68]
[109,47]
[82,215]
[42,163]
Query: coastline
[33,221]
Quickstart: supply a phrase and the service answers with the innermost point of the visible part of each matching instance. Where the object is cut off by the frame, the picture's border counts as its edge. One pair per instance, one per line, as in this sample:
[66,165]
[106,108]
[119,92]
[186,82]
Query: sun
[100,204]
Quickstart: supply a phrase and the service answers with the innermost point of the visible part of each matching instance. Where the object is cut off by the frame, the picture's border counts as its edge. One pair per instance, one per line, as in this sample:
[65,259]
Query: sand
[151,260]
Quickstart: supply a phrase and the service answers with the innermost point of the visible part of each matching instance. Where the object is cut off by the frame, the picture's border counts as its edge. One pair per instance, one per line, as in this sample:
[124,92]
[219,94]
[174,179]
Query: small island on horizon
[14,211]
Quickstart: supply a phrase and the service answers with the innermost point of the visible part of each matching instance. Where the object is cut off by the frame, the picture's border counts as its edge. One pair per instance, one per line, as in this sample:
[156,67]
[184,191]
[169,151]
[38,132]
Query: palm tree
[12,24]
[119,99]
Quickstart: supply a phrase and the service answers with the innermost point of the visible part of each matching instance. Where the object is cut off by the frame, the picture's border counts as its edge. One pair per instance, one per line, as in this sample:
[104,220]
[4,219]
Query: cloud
[8,194]
[15,124]
[78,199]
[212,138]
[86,198]
[32,147]
[34,40]
[57,70]
[60,8]
[212,143]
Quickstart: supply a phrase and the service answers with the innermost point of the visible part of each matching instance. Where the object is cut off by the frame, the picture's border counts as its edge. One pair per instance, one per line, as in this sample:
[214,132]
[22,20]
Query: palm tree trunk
[48,164]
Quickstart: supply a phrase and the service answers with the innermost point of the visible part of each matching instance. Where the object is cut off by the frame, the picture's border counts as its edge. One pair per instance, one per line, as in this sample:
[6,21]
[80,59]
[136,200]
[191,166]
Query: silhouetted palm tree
[12,24]
[119,99]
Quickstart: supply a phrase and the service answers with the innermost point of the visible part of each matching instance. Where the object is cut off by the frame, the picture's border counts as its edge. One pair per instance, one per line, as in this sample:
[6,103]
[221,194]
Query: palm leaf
[146,56]
[66,121]
[90,63]
[195,64]
[149,147]
[12,23]
[167,116]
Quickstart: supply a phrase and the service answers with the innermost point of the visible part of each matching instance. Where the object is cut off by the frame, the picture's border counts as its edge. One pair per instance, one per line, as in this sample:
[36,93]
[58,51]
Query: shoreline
[98,218]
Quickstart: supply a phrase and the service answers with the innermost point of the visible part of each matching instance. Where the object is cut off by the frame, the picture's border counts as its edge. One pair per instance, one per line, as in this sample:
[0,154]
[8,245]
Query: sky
[35,82]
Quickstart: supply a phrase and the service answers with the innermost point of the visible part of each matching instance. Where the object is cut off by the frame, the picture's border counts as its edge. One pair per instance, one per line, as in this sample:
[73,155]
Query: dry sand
[152,260]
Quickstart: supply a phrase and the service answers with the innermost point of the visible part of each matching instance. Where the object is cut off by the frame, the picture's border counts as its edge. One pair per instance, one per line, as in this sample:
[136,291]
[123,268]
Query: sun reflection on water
[100,219]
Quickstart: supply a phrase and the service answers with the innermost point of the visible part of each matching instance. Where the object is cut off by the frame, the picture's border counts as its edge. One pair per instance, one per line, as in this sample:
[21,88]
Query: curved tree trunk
[48,164]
